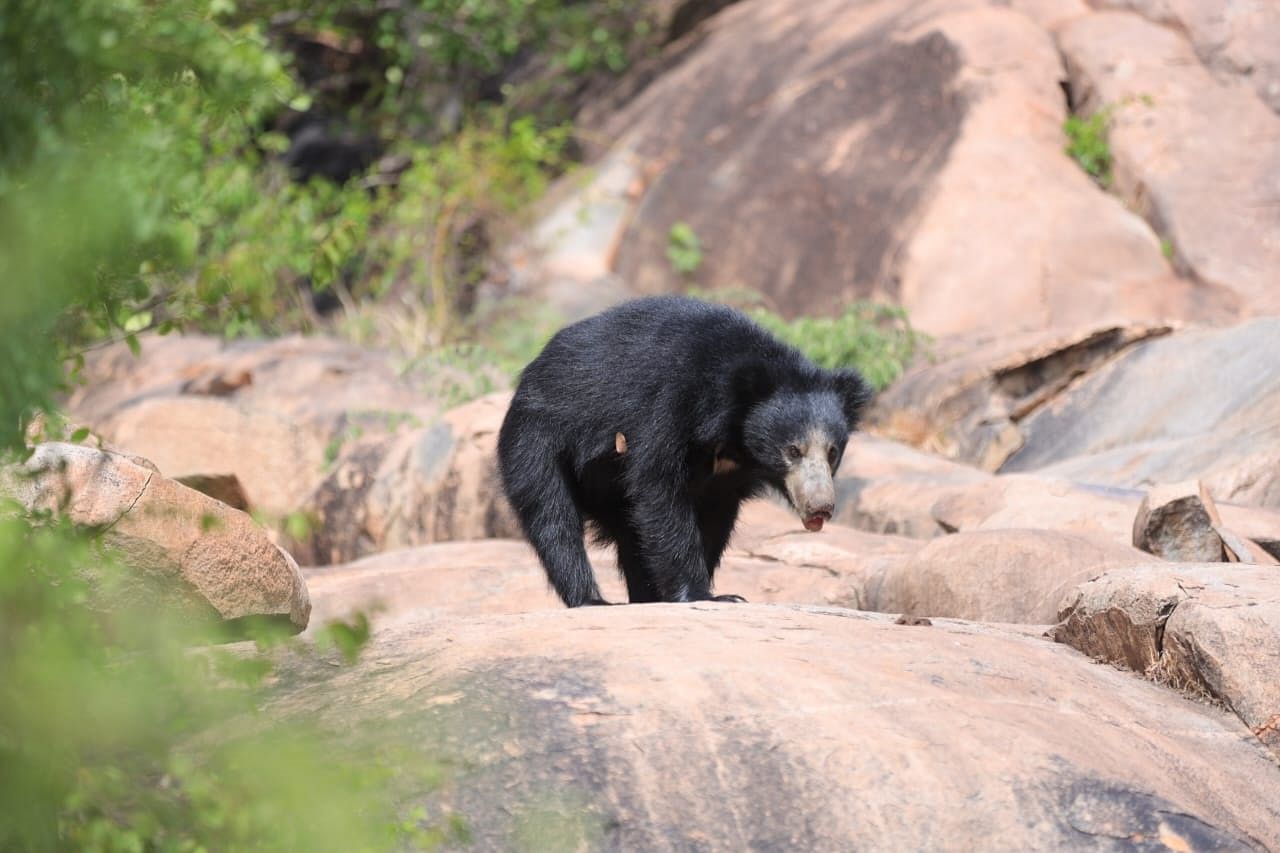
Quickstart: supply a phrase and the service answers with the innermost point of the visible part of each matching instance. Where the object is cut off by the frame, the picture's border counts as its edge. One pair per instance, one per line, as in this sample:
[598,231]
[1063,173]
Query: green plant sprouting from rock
[1087,143]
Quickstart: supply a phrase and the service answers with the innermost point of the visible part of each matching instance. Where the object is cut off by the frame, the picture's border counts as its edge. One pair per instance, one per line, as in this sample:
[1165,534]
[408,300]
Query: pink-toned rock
[1195,155]
[996,575]
[273,414]
[771,559]
[1032,501]
[434,484]
[1072,257]
[1026,501]
[1233,38]
[429,581]
[1211,629]
[969,404]
[658,727]
[182,549]
[888,487]
[828,151]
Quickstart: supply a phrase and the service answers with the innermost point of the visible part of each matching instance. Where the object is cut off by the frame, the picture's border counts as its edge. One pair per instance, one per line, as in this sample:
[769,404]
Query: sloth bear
[654,421]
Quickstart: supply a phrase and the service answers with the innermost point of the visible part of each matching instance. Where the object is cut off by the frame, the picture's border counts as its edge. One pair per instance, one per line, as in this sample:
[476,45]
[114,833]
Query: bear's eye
[831,457]
[793,453]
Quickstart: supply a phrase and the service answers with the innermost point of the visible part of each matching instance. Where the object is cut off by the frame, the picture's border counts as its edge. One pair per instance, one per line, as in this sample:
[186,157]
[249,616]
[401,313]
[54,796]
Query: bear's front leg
[671,548]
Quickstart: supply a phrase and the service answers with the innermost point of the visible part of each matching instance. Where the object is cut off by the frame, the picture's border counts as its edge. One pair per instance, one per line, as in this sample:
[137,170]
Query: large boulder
[273,414]
[182,550]
[970,401]
[1210,629]
[432,484]
[1013,501]
[677,727]
[1197,156]
[997,575]
[828,151]
[1201,404]
[1120,406]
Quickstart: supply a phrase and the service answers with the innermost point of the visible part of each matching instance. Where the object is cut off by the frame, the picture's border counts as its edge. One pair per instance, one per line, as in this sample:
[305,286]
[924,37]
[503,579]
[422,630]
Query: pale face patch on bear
[810,485]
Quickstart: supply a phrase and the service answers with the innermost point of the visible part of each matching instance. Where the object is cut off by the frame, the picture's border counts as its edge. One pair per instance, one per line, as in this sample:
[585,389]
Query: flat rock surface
[275,414]
[771,559]
[886,486]
[1235,39]
[659,726]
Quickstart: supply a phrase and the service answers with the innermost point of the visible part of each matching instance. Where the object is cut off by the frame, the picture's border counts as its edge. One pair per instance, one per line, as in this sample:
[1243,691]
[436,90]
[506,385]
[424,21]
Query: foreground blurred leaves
[116,735]
[126,148]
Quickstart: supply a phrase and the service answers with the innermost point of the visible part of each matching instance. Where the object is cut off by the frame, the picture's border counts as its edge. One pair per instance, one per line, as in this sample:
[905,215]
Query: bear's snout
[812,491]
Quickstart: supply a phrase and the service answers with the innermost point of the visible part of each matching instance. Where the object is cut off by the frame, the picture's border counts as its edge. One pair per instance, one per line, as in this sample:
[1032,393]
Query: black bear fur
[654,421]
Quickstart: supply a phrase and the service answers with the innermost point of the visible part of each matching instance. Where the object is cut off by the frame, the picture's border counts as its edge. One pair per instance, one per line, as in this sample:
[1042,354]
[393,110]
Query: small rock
[1177,523]
[220,487]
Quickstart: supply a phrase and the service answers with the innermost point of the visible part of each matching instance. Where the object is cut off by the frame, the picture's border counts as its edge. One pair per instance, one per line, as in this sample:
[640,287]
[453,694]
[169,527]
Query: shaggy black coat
[686,383]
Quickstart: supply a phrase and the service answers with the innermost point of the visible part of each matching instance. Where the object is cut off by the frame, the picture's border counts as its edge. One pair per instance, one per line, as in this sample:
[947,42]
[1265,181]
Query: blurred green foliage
[684,249]
[140,187]
[116,735]
[140,190]
[876,339]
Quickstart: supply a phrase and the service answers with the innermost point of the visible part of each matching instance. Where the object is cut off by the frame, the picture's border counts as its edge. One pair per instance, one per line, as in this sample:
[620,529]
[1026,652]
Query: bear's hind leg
[540,494]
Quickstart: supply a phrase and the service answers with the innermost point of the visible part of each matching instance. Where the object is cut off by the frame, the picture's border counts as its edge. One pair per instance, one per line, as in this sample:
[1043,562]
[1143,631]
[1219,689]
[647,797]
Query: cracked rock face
[1197,155]
[1213,630]
[973,404]
[670,727]
[181,550]
[1200,404]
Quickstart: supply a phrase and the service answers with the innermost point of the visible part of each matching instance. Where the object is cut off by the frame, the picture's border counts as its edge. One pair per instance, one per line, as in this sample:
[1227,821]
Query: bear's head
[796,433]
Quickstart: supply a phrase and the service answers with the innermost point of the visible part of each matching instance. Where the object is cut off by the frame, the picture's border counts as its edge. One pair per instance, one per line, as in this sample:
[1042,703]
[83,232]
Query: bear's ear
[854,393]
[751,383]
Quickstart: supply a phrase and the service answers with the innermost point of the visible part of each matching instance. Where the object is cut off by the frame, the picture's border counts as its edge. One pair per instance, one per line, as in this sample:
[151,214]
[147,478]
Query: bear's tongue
[814,522]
